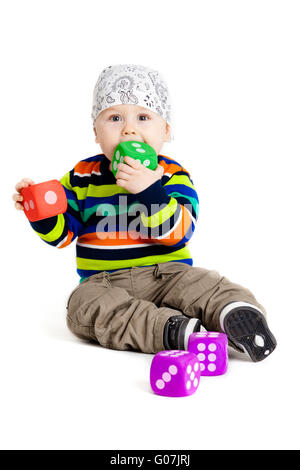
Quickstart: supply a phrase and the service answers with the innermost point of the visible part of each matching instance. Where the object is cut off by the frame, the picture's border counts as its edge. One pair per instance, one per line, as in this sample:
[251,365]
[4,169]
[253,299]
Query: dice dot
[201,347]
[134,144]
[160,384]
[192,375]
[115,165]
[166,377]
[50,197]
[121,159]
[196,366]
[146,162]
[31,203]
[201,357]
[213,335]
[212,347]
[189,369]
[195,383]
[202,367]
[212,357]
[188,384]
[117,154]
[141,150]
[26,206]
[173,370]
[211,367]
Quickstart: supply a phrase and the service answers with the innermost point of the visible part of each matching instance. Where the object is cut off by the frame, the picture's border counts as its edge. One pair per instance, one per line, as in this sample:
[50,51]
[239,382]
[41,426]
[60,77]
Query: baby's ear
[168,133]
[96,136]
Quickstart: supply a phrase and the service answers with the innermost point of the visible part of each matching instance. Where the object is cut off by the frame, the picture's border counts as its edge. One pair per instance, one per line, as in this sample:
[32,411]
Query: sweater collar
[104,167]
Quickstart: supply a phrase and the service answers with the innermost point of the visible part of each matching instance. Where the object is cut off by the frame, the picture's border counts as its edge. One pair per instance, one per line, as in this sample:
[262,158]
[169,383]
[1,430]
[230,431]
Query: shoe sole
[248,328]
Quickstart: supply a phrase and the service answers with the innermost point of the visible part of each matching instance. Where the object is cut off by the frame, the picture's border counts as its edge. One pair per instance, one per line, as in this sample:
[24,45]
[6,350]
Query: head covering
[131,84]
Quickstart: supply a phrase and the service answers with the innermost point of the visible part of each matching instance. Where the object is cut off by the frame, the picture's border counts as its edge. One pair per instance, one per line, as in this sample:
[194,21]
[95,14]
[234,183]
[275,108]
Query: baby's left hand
[135,177]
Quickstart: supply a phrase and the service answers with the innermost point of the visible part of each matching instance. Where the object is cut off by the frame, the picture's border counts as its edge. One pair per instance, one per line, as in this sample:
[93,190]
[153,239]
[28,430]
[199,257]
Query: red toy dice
[44,200]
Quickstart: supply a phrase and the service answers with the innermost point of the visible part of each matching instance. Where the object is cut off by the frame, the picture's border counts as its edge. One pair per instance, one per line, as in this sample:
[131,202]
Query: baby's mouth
[132,139]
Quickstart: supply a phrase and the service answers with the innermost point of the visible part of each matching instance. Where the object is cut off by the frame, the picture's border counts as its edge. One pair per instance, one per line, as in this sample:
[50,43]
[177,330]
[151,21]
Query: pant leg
[201,293]
[99,311]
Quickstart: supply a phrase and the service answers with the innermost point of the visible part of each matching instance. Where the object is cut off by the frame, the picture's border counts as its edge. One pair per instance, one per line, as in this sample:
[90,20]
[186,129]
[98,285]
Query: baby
[138,288]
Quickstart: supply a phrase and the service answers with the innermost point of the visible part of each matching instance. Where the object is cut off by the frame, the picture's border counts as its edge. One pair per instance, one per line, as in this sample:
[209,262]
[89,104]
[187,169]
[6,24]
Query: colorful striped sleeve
[169,209]
[62,229]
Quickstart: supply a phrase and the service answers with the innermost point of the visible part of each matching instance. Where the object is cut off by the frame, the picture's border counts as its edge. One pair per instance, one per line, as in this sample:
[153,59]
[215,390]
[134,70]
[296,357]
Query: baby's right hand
[24,183]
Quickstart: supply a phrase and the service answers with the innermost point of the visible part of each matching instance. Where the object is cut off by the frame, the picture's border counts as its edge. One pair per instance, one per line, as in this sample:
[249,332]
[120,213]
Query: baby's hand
[24,183]
[135,177]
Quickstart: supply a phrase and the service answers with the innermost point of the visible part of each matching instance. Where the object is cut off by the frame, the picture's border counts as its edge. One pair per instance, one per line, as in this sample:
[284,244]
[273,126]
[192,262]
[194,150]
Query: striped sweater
[116,229]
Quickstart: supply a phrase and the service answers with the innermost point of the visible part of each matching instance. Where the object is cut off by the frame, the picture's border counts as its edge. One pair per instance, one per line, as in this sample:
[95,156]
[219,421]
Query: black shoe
[177,330]
[247,328]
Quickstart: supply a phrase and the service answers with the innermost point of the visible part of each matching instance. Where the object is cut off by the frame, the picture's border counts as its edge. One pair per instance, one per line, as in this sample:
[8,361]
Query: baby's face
[130,122]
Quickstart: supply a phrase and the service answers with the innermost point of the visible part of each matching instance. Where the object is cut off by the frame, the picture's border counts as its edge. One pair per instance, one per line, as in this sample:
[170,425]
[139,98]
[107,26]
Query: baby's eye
[114,116]
[144,116]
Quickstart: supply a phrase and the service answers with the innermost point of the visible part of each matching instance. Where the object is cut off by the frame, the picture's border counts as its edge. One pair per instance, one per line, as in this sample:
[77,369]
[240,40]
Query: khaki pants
[128,309]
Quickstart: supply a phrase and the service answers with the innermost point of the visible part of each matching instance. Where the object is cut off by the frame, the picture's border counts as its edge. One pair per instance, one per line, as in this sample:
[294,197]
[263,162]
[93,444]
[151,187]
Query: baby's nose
[128,128]
[128,131]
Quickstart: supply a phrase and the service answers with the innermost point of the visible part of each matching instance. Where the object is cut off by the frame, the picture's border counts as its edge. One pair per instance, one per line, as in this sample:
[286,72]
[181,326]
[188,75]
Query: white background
[233,72]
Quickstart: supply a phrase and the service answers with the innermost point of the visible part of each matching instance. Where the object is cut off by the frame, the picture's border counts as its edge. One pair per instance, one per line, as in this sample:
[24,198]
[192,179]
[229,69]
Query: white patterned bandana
[131,84]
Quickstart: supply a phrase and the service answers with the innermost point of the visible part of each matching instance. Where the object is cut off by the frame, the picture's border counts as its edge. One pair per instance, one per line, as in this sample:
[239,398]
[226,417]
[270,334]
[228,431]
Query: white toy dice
[175,373]
[211,349]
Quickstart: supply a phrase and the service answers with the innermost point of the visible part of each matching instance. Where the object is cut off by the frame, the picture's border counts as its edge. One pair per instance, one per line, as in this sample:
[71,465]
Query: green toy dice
[138,150]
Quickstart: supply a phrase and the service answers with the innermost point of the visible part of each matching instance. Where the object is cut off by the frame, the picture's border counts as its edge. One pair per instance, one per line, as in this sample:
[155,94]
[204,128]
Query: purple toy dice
[211,349]
[175,373]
